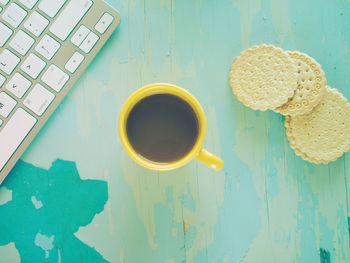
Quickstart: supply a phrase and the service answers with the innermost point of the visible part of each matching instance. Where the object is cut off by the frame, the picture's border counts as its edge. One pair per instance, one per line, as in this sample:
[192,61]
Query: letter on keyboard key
[28,3]
[22,42]
[36,24]
[8,61]
[33,66]
[14,15]
[18,85]
[51,7]
[38,99]
[47,47]
[55,78]
[5,34]
[14,132]
[7,104]
[69,18]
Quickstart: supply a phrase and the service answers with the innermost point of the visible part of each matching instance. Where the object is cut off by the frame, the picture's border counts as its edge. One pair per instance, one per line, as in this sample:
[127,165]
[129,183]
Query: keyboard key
[104,22]
[4,2]
[7,104]
[33,65]
[80,35]
[5,34]
[47,47]
[38,99]
[89,42]
[2,80]
[18,85]
[74,62]
[50,7]
[14,15]
[28,3]
[55,78]
[69,18]
[14,132]
[22,42]
[8,61]
[36,24]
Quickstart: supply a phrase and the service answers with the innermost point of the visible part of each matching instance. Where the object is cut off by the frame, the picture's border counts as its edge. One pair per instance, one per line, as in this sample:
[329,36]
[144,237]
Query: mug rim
[162,88]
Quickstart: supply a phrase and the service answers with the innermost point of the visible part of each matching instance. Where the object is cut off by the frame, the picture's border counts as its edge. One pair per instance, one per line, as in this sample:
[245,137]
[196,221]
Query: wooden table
[76,196]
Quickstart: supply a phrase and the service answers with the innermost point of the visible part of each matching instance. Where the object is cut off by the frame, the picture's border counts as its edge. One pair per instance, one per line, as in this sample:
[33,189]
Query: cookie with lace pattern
[263,77]
[311,85]
[323,135]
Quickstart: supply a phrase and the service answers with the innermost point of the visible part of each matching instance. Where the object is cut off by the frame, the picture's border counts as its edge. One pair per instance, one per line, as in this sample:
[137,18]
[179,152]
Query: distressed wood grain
[267,204]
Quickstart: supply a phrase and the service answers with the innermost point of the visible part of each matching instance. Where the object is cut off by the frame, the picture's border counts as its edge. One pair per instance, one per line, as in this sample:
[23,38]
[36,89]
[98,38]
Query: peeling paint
[267,204]
[186,225]
[324,256]
[37,203]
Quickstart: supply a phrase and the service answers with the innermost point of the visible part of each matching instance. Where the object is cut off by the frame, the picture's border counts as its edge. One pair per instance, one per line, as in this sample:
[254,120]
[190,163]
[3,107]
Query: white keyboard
[45,45]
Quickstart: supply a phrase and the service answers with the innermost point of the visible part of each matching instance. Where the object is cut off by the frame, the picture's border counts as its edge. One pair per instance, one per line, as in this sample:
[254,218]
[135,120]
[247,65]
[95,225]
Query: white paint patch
[247,12]
[122,257]
[5,195]
[95,233]
[44,242]
[280,18]
[37,203]
[174,232]
[9,253]
[108,204]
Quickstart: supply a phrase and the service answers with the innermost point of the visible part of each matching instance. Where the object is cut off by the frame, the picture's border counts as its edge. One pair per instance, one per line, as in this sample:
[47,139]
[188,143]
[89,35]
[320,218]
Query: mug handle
[210,159]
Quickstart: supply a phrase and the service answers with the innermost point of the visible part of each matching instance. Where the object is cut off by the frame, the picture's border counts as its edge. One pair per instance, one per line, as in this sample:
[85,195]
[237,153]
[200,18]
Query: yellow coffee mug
[196,152]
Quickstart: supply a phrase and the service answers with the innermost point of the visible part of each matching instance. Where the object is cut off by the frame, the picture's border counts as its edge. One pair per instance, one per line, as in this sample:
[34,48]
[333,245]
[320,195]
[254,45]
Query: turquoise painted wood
[266,205]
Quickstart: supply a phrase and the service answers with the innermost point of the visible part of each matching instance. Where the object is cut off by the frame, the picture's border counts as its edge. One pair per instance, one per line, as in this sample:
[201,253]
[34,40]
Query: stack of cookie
[292,83]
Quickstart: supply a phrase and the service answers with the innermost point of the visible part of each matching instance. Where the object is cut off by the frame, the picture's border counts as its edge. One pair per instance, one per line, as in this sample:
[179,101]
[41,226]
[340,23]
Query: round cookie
[263,77]
[323,135]
[311,82]
[296,150]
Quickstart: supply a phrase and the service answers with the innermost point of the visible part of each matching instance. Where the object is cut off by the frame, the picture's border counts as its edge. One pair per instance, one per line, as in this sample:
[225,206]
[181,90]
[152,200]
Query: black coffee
[162,128]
